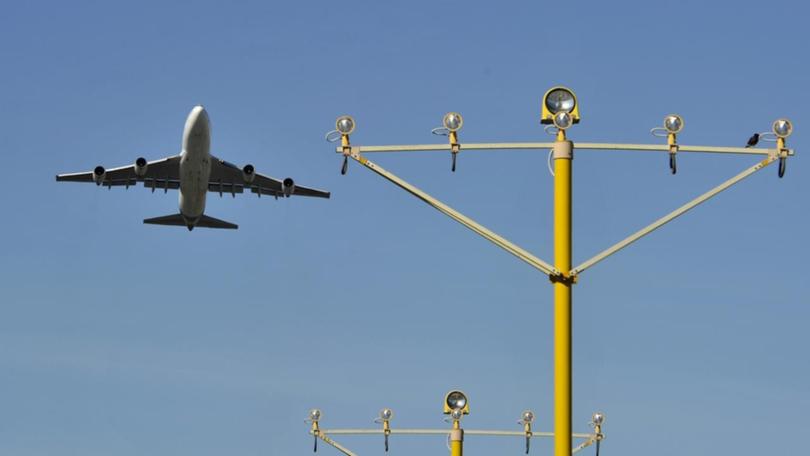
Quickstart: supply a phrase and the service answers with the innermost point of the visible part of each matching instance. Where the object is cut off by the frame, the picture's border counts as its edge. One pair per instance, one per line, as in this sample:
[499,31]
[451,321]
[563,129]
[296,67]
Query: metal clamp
[347,151]
[783,154]
[454,148]
[673,150]
[564,278]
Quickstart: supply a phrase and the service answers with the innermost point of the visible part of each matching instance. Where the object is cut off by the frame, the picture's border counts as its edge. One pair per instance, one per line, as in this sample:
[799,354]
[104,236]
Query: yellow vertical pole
[456,440]
[563,156]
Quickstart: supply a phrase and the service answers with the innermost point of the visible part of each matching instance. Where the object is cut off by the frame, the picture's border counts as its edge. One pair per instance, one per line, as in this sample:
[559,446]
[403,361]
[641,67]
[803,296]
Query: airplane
[193,172]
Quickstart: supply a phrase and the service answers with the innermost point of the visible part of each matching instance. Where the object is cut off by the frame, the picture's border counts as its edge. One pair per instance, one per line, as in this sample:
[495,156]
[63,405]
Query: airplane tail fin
[178,220]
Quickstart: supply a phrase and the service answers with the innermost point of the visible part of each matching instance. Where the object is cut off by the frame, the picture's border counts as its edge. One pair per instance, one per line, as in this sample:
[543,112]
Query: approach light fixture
[386,414]
[314,417]
[453,121]
[563,120]
[673,123]
[782,128]
[345,125]
[556,100]
[456,401]
[526,419]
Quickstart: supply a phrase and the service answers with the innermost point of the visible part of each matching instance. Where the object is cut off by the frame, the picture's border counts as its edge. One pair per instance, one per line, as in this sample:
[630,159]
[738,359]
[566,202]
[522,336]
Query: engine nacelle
[288,187]
[248,173]
[141,166]
[98,174]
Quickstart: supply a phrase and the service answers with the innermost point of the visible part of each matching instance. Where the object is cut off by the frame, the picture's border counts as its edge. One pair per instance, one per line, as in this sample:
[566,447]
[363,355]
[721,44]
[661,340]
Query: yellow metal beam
[563,157]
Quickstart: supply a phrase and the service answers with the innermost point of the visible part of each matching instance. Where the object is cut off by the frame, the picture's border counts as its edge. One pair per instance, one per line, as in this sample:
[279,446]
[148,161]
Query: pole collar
[564,150]
[457,435]
[563,278]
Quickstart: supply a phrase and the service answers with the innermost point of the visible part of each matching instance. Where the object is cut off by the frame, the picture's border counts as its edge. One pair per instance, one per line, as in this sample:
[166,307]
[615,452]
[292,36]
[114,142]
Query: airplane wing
[163,174]
[229,178]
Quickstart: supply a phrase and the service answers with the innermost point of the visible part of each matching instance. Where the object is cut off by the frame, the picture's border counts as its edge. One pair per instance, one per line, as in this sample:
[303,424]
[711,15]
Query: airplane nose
[197,122]
[198,118]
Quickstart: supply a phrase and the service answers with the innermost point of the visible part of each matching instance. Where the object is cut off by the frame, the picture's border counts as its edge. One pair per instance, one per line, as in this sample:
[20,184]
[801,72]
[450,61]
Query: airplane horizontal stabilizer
[178,220]
[211,222]
[175,219]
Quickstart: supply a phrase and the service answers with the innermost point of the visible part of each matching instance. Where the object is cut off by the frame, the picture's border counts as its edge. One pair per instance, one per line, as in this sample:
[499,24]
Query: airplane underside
[195,173]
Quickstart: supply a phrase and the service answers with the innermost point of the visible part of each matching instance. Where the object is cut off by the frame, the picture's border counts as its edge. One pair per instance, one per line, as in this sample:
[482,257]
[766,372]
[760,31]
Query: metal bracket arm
[672,215]
[457,216]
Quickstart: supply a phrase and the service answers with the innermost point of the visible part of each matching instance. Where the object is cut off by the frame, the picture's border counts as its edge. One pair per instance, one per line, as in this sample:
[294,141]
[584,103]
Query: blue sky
[119,338]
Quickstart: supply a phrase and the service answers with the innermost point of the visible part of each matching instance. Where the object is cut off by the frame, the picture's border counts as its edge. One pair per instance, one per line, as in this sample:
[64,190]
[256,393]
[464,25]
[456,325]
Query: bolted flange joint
[561,277]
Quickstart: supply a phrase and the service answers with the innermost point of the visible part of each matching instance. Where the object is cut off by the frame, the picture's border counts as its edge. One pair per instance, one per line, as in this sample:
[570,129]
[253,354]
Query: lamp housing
[452,121]
[782,128]
[673,123]
[345,125]
[456,400]
[558,99]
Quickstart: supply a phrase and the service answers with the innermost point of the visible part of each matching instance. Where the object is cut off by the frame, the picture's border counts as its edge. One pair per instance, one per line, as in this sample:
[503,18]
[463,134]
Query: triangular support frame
[554,274]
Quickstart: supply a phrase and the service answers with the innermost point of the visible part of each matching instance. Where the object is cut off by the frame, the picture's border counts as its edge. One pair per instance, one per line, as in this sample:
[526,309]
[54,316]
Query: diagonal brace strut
[337,446]
[459,217]
[672,215]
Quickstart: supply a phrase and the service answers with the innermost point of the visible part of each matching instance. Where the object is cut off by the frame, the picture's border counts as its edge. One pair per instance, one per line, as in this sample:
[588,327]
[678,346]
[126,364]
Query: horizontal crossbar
[577,146]
[446,432]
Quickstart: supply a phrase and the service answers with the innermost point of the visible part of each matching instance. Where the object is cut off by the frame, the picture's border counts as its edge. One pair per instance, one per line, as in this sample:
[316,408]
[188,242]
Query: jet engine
[98,174]
[141,166]
[288,186]
[248,173]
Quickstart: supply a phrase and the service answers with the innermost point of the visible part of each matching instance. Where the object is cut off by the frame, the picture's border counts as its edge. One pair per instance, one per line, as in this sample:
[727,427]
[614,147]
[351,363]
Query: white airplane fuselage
[195,165]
